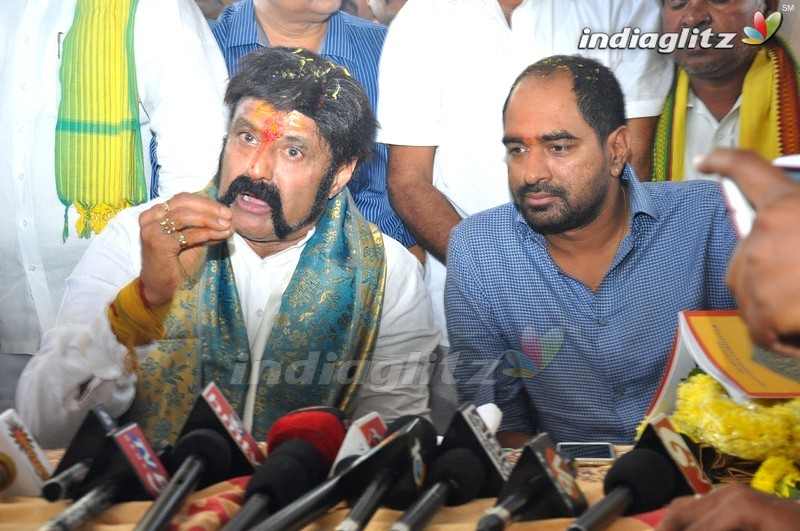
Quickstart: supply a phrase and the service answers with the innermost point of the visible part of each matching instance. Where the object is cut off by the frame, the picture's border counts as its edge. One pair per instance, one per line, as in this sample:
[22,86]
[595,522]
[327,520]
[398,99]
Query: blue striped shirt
[557,357]
[355,44]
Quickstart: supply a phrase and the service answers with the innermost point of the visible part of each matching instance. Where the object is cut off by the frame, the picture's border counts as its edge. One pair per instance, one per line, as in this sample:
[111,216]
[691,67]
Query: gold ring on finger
[166,206]
[182,240]
[168,225]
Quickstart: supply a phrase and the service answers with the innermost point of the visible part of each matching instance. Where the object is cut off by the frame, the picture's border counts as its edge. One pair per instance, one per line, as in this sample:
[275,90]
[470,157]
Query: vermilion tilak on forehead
[272,122]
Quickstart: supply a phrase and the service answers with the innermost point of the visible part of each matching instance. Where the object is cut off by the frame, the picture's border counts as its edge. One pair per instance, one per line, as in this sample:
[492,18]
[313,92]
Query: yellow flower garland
[777,475]
[760,430]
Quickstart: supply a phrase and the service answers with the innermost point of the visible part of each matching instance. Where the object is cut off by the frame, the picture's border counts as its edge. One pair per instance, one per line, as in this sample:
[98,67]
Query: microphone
[364,433]
[399,446]
[456,478]
[23,465]
[398,482]
[86,507]
[324,427]
[629,486]
[212,411]
[541,486]
[127,469]
[205,458]
[302,446]
[660,436]
[290,471]
[467,429]
[640,481]
[61,485]
[89,442]
[470,435]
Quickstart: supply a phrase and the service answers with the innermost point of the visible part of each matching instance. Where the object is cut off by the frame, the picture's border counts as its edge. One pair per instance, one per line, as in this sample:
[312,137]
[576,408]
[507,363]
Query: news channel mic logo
[763,28]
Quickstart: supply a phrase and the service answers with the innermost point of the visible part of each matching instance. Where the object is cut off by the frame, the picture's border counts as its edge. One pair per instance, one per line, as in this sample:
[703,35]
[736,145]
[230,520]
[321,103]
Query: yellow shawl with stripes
[769,113]
[99,163]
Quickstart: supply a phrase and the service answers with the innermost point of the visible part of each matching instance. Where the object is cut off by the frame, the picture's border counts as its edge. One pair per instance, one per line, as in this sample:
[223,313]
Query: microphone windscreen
[293,469]
[649,475]
[324,429]
[335,411]
[211,447]
[463,470]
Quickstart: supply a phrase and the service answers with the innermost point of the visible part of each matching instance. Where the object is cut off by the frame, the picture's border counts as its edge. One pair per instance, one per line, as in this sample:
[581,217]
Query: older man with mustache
[268,282]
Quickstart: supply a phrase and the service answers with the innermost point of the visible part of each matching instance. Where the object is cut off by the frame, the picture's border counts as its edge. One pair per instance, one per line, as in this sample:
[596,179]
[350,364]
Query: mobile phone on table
[588,453]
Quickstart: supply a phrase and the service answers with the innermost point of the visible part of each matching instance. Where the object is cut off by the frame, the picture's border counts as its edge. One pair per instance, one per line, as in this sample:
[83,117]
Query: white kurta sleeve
[398,377]
[644,74]
[80,363]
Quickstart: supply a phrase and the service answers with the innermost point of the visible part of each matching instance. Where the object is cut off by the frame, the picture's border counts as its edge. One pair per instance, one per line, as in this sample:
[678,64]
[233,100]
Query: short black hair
[294,79]
[597,90]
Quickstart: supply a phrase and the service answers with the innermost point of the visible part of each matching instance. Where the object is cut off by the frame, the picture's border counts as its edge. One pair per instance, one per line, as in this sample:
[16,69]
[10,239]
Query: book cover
[718,342]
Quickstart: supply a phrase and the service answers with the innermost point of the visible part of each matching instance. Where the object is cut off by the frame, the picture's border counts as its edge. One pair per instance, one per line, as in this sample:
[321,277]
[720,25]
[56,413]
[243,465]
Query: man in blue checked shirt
[354,43]
[562,305]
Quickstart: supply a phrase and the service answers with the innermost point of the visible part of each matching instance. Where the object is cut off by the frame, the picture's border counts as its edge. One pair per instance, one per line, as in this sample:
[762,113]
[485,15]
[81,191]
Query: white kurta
[704,133]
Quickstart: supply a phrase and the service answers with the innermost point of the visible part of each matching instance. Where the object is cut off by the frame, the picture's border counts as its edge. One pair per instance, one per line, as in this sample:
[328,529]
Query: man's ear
[342,177]
[618,145]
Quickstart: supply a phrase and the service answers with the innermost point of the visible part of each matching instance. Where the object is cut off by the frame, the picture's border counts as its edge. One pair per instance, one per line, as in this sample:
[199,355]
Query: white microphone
[23,465]
[491,415]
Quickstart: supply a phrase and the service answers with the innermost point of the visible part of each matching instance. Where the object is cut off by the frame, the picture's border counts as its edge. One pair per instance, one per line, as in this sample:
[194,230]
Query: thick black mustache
[262,190]
[540,187]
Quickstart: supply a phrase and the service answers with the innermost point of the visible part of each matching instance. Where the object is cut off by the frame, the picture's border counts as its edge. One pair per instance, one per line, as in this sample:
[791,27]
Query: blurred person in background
[746,95]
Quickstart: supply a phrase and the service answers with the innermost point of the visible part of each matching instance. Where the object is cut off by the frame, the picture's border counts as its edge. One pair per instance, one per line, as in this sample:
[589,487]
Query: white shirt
[704,134]
[181,81]
[80,364]
[447,67]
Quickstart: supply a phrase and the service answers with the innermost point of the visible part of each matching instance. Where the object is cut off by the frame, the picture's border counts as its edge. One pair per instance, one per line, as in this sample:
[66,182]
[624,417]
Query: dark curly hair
[292,79]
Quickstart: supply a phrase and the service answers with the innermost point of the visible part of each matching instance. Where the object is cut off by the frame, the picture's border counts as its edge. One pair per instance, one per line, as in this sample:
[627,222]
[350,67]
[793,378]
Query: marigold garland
[761,430]
[777,475]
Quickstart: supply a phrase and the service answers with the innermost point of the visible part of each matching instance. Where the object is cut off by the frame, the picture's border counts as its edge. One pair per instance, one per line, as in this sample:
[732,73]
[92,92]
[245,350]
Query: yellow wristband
[134,321]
